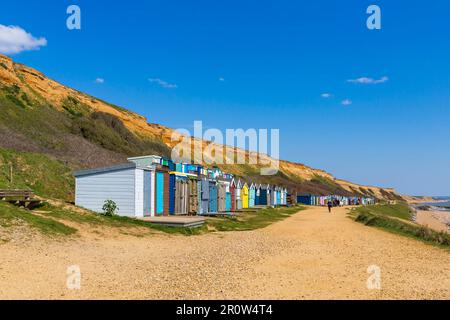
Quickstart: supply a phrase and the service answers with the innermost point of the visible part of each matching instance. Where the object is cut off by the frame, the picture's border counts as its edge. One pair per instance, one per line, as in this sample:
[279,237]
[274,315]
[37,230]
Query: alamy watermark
[213,147]
[73,22]
[73,281]
[374,20]
[374,280]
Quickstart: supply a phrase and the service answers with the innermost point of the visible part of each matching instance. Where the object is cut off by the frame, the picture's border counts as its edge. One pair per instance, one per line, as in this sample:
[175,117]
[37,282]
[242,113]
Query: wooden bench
[16,194]
[21,198]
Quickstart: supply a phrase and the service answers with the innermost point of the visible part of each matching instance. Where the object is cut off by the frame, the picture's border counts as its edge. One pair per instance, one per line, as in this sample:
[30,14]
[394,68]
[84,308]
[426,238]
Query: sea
[443,203]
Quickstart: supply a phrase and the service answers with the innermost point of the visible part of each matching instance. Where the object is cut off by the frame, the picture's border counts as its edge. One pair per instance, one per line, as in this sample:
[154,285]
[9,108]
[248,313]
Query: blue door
[172,181]
[228,202]
[212,198]
[159,193]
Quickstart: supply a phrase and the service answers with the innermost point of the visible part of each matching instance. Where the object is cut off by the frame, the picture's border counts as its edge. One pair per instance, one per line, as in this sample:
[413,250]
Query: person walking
[330,205]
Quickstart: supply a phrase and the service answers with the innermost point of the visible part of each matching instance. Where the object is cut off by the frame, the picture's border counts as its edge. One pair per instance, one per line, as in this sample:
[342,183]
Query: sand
[311,255]
[436,220]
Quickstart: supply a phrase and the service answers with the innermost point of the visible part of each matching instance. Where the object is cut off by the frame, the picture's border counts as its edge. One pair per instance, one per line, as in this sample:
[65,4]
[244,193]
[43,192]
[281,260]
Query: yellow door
[244,196]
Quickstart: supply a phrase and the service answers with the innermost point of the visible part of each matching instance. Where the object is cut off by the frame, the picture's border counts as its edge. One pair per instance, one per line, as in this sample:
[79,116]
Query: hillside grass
[251,220]
[49,127]
[12,216]
[397,218]
[47,177]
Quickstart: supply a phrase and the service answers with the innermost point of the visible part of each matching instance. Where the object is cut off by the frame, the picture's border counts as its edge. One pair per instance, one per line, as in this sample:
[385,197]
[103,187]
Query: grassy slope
[11,216]
[47,177]
[397,218]
[34,123]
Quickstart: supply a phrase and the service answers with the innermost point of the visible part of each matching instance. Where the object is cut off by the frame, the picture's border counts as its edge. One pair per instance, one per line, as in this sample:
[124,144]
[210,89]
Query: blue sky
[276,59]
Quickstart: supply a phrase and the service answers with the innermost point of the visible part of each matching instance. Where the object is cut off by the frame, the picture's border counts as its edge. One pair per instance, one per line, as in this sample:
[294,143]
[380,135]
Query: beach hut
[304,199]
[257,194]
[244,195]
[224,193]
[228,202]
[273,195]
[221,195]
[283,200]
[213,191]
[251,195]
[162,191]
[233,195]
[203,191]
[138,189]
[129,185]
[292,198]
[192,171]
[193,195]
[262,195]
[161,180]
[278,196]
[238,195]
[213,196]
[182,193]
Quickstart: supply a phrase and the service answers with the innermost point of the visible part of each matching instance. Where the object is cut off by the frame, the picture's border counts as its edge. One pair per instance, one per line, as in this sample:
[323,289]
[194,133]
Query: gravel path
[313,255]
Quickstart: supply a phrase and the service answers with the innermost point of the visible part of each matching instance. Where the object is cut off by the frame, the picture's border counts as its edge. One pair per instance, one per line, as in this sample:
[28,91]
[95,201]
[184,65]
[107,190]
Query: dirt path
[310,255]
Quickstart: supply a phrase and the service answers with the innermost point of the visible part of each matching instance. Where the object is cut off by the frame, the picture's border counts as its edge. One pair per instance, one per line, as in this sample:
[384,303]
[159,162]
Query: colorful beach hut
[284,195]
[238,195]
[213,196]
[221,195]
[304,199]
[233,195]
[292,198]
[251,195]
[262,195]
[183,193]
[203,191]
[273,195]
[244,195]
[224,194]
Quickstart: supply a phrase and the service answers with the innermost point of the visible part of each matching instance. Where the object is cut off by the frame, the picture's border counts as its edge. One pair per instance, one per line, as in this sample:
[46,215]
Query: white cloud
[346,102]
[100,80]
[326,95]
[14,39]
[163,83]
[366,80]
[222,79]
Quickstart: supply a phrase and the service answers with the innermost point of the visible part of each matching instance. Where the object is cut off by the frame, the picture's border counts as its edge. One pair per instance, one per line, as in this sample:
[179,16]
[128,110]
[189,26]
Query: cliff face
[43,116]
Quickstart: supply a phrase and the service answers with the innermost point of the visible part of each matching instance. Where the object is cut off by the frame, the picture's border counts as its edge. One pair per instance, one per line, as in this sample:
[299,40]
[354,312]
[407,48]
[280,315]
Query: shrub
[110,208]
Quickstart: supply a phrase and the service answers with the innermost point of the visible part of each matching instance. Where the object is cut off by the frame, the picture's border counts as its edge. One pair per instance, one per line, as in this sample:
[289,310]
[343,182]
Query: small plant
[110,208]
